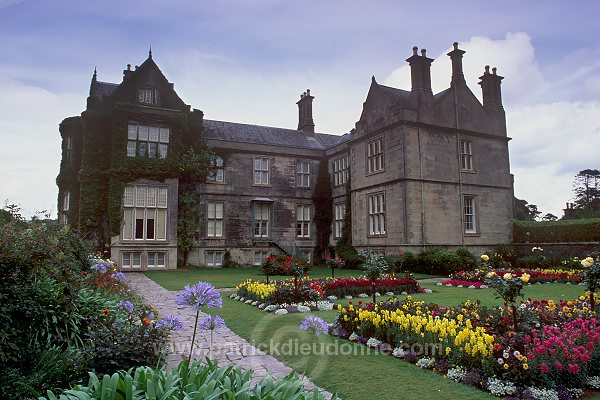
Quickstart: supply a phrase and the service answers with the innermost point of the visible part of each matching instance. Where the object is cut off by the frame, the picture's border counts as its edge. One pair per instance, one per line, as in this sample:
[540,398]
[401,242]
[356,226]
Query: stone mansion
[420,170]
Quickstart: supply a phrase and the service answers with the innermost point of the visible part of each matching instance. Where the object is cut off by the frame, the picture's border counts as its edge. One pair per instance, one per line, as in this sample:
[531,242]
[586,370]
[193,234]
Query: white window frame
[340,171]
[66,204]
[215,211]
[466,155]
[261,226]
[217,170]
[259,257]
[128,259]
[214,258]
[375,159]
[470,214]
[376,212]
[156,259]
[303,214]
[145,213]
[69,148]
[339,216]
[141,138]
[303,174]
[262,167]
[148,96]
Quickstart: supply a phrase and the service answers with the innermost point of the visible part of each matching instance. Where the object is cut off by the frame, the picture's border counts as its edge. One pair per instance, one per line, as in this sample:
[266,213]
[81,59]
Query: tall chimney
[305,117]
[456,56]
[420,71]
[490,89]
[127,72]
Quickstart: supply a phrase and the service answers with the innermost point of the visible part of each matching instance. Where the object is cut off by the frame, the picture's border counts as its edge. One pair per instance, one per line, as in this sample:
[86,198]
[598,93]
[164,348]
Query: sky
[249,61]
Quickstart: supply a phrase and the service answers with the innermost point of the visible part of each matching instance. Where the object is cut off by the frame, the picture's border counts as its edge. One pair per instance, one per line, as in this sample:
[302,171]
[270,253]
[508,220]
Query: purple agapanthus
[200,295]
[120,276]
[127,306]
[170,322]
[101,266]
[314,325]
[211,322]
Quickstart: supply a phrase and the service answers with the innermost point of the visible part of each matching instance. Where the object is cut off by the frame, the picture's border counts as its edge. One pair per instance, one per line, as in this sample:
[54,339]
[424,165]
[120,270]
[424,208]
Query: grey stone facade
[424,170]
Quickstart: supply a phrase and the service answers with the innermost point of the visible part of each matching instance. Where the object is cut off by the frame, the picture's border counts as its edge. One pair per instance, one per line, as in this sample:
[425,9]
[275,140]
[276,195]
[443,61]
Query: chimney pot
[494,70]
[424,52]
[487,69]
[415,49]
[128,67]
[308,92]
[455,44]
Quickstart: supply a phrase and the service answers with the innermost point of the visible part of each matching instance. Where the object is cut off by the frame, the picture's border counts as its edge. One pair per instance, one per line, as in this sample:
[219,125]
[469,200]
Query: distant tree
[524,211]
[549,217]
[586,188]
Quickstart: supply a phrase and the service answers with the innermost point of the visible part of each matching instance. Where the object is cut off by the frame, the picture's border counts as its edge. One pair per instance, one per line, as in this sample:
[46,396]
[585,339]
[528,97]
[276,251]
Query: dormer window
[148,96]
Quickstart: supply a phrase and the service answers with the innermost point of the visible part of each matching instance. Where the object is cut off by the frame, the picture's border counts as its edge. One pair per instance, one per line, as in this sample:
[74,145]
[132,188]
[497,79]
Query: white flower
[353,337]
[232,296]
[593,382]
[236,297]
[325,306]
[543,394]
[507,276]
[501,361]
[363,295]
[271,308]
[439,284]
[426,362]
[255,303]
[348,297]
[248,302]
[587,262]
[242,299]
[303,309]
[472,287]
[427,291]
[331,298]
[281,311]
[500,388]
[398,352]
[456,374]
[263,305]
[372,342]
[389,293]
[484,287]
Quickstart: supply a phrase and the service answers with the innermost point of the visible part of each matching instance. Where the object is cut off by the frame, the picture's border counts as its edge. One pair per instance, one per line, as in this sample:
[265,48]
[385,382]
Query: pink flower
[573,368]
[558,365]
[544,368]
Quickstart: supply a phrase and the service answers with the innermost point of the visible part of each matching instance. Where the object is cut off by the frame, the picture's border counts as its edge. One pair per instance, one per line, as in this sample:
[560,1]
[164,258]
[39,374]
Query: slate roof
[398,96]
[246,133]
[102,88]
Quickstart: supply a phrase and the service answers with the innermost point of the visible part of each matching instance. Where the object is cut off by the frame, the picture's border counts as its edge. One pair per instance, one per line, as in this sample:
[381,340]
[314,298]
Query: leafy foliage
[576,230]
[322,199]
[524,211]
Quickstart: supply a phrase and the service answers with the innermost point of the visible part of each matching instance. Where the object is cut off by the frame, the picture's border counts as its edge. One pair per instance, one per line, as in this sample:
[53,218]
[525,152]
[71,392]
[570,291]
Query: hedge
[577,230]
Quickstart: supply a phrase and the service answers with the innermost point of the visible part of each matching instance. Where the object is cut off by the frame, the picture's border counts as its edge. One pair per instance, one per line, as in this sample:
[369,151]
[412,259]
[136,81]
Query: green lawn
[230,277]
[356,375]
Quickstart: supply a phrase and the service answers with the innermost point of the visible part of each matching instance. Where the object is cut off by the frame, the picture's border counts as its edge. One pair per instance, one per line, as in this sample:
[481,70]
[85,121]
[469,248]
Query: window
[261,171]
[302,174]
[156,259]
[214,258]
[469,212]
[262,212]
[375,156]
[259,257]
[147,141]
[66,201]
[68,149]
[340,171]
[217,171]
[144,213]
[215,220]
[339,214]
[131,260]
[148,96]
[466,155]
[64,219]
[303,221]
[377,214]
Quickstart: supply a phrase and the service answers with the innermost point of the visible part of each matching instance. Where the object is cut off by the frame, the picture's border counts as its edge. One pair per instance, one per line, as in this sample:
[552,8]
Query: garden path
[228,348]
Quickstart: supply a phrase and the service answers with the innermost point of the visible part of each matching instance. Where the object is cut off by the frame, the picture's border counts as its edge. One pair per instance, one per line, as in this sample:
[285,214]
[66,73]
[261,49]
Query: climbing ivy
[344,248]
[322,199]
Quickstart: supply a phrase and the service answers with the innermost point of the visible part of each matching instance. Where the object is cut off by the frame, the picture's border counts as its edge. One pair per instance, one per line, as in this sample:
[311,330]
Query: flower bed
[535,275]
[555,349]
[312,290]
[467,284]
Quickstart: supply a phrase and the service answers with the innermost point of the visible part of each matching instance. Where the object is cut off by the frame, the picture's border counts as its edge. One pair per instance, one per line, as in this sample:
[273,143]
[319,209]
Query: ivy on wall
[322,199]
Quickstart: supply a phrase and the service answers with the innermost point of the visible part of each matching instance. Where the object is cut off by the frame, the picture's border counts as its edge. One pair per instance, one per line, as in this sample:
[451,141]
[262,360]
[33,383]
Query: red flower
[106,312]
[573,368]
[544,368]
[506,320]
[558,365]
[497,347]
[145,321]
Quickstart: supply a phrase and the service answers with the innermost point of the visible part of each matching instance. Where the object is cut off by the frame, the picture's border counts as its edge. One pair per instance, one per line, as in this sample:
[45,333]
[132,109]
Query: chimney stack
[420,72]
[490,88]
[305,117]
[127,72]
[456,55]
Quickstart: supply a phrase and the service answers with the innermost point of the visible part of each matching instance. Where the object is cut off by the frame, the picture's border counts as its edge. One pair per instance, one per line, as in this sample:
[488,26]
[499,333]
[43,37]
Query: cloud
[30,154]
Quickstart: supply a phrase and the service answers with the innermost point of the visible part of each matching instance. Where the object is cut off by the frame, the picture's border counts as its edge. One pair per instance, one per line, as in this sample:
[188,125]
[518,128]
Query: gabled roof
[102,88]
[396,96]
[268,135]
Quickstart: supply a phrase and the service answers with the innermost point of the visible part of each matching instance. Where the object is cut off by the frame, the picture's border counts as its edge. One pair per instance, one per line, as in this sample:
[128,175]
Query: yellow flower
[485,257]
[525,278]
[490,274]
[505,366]
[525,366]
[507,276]
[587,262]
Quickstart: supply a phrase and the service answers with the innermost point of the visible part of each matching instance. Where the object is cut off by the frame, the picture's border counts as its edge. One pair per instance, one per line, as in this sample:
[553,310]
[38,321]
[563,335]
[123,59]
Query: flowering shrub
[255,290]
[105,276]
[454,282]
[335,263]
[535,275]
[288,266]
[353,286]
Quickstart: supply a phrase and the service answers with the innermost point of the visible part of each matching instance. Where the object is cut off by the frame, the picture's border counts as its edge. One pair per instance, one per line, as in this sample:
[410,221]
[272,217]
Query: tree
[549,217]
[586,188]
[524,211]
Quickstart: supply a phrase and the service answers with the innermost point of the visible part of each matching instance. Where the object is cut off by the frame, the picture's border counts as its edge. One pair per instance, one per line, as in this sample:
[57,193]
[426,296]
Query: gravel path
[228,348]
